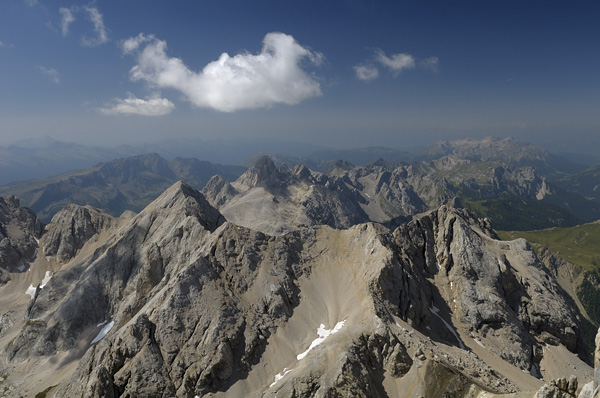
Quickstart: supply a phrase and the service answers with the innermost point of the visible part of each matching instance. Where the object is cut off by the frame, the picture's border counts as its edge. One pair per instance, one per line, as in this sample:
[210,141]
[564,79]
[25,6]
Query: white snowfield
[279,376]
[323,334]
[31,289]
[103,332]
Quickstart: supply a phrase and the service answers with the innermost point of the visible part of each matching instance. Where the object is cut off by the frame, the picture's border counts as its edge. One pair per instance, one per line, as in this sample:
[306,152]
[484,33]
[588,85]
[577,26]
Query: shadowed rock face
[493,287]
[19,231]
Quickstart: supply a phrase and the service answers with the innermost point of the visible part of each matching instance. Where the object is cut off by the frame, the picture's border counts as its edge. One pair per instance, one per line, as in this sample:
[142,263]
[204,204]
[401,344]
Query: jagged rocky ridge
[276,200]
[512,183]
[197,306]
[20,230]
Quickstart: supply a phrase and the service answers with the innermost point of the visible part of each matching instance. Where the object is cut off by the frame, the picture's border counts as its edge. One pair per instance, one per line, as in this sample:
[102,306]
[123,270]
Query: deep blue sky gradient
[528,69]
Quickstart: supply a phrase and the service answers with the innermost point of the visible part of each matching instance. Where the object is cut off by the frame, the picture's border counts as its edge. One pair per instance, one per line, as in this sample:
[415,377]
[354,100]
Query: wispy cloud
[244,81]
[366,72]
[1,44]
[396,62]
[133,43]
[431,63]
[94,15]
[31,3]
[153,106]
[51,73]
[66,19]
[99,28]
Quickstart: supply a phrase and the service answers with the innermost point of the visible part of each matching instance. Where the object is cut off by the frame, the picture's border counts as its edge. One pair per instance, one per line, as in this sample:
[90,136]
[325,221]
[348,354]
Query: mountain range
[376,280]
[495,178]
[178,301]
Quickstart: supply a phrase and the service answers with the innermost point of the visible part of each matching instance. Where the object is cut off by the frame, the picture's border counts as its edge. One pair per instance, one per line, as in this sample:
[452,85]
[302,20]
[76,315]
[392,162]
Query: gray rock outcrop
[218,191]
[559,388]
[20,231]
[71,228]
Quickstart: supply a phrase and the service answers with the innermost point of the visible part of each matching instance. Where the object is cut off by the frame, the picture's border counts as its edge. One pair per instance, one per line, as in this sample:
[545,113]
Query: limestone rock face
[276,200]
[390,194]
[71,228]
[177,302]
[218,191]
[263,172]
[20,230]
[559,388]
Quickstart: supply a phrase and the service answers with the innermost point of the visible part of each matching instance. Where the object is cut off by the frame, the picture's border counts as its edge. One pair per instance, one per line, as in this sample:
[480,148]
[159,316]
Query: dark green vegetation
[123,184]
[578,245]
[585,183]
[44,393]
[512,212]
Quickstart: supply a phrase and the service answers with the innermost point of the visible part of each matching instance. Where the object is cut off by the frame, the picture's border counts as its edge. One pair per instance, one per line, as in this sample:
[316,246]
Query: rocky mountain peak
[218,191]
[301,171]
[182,199]
[262,173]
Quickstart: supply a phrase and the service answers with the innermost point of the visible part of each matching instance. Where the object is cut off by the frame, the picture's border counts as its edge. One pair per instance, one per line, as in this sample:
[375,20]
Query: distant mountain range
[46,157]
[122,184]
[518,186]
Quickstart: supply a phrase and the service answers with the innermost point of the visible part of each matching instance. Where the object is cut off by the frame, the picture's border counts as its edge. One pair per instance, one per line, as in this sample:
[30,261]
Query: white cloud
[153,106]
[99,28]
[66,20]
[31,3]
[397,62]
[366,72]
[244,81]
[431,63]
[133,43]
[51,73]
[1,44]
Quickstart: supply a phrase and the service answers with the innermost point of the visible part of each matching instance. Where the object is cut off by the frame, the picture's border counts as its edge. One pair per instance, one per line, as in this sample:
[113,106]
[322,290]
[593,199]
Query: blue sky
[342,73]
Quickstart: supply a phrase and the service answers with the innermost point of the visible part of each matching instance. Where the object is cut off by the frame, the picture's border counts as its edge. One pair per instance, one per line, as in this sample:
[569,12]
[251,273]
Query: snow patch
[323,334]
[479,342]
[103,332]
[101,324]
[279,376]
[435,311]
[31,289]
[21,268]
[439,267]
[46,279]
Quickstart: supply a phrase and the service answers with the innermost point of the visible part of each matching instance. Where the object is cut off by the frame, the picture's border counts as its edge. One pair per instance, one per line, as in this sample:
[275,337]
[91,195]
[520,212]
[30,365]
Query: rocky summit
[176,301]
